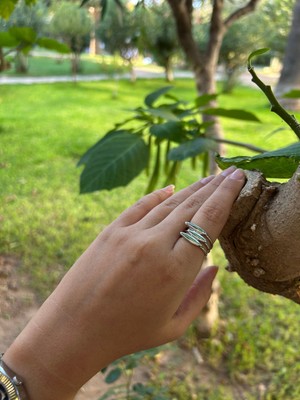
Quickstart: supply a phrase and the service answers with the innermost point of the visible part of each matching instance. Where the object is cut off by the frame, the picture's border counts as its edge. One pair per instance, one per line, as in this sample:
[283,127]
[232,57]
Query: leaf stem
[275,105]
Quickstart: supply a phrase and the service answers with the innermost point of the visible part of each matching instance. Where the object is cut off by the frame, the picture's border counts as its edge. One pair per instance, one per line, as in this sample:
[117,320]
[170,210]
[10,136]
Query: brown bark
[261,239]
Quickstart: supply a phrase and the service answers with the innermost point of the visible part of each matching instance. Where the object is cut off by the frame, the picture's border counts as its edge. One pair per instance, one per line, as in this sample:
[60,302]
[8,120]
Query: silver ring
[198,237]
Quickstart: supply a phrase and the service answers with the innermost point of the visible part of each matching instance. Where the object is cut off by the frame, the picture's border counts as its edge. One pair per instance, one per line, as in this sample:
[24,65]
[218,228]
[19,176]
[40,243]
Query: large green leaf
[151,98]
[191,148]
[232,113]
[280,163]
[24,34]
[7,40]
[53,45]
[205,99]
[114,162]
[172,130]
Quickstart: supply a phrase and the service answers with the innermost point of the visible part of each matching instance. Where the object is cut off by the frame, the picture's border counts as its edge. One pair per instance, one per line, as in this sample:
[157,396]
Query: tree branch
[240,144]
[275,105]
[248,8]
[182,11]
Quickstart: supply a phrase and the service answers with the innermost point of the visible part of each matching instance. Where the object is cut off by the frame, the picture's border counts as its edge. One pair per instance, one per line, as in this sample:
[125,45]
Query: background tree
[119,31]
[268,28]
[290,74]
[72,25]
[31,16]
[158,38]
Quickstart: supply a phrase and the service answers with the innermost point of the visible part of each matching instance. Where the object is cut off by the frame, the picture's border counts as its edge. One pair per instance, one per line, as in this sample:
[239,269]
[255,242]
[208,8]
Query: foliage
[172,130]
[8,6]
[158,38]
[72,25]
[24,30]
[281,163]
[119,33]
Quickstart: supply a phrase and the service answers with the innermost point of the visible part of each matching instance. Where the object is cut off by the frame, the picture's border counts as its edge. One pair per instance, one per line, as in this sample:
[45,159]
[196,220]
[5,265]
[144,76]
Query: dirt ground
[18,305]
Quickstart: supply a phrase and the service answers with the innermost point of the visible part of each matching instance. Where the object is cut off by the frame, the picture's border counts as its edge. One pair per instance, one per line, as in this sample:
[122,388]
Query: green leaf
[257,53]
[205,99]
[162,113]
[191,148]
[172,130]
[53,45]
[7,7]
[7,40]
[280,164]
[113,162]
[24,34]
[232,113]
[87,155]
[292,94]
[151,98]
[113,375]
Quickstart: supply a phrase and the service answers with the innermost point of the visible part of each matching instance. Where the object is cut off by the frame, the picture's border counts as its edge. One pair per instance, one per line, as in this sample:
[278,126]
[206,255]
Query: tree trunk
[261,239]
[169,71]
[290,74]
[2,61]
[21,63]
[75,61]
[94,42]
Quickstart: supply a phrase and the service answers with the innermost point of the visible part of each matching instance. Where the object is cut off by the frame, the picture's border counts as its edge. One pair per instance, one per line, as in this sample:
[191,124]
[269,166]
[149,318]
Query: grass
[43,131]
[61,65]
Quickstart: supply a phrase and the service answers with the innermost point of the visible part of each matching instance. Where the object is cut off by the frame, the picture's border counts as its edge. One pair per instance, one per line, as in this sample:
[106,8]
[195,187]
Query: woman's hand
[137,286]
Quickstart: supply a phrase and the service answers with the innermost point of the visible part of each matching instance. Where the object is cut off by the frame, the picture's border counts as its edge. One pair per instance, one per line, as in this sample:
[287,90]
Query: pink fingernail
[169,189]
[238,175]
[207,179]
[228,171]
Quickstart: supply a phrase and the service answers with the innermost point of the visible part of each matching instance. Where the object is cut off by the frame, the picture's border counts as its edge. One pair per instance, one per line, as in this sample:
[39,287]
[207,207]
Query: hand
[137,286]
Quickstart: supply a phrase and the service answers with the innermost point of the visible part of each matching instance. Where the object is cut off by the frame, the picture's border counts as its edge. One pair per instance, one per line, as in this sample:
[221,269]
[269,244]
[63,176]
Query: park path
[245,78]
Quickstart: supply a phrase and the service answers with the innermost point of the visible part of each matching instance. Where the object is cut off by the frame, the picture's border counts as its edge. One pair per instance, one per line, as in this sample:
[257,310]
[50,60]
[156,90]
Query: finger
[194,301]
[143,206]
[213,214]
[174,219]
[157,214]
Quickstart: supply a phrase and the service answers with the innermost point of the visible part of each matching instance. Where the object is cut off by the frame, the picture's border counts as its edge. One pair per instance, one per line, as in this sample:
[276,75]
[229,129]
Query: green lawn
[43,131]
[61,65]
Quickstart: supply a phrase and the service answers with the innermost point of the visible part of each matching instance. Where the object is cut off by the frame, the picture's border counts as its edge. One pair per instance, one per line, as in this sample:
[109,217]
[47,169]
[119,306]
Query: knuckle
[214,212]
[193,202]
[171,203]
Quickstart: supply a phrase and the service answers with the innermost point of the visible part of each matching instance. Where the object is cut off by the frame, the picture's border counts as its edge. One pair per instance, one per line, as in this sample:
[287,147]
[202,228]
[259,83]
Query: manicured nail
[228,171]
[207,179]
[238,175]
[169,189]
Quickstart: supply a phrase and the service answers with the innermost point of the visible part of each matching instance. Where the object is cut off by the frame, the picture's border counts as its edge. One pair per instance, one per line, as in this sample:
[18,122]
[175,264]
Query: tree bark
[290,74]
[261,239]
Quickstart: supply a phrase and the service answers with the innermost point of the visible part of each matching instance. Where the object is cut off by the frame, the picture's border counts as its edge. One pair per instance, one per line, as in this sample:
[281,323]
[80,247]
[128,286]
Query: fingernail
[228,171]
[207,179]
[169,189]
[238,175]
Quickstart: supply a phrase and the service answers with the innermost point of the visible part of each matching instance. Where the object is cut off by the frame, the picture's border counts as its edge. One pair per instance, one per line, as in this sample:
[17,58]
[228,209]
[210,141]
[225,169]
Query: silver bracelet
[11,386]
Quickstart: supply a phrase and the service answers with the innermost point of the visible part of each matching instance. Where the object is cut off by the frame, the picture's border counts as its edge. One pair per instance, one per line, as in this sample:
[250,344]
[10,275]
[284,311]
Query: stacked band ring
[198,237]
